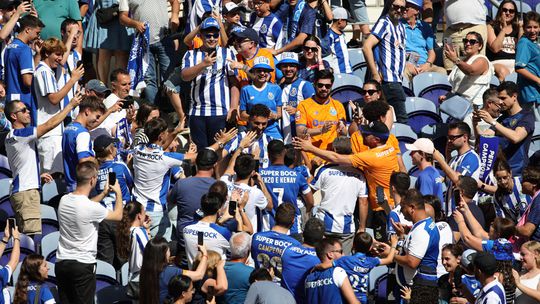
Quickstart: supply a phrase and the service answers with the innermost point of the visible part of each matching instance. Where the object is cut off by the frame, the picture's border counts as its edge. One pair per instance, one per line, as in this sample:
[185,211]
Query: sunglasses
[338,251]
[310,49]
[369,92]
[469,41]
[257,71]
[324,85]
[211,35]
[508,10]
[23,110]
[454,137]
[399,8]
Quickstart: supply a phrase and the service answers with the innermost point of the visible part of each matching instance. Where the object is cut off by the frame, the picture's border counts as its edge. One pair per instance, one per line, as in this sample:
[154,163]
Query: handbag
[106,15]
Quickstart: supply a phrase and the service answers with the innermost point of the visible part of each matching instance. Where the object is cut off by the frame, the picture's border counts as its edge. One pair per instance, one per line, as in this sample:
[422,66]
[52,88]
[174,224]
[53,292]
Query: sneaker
[354,44]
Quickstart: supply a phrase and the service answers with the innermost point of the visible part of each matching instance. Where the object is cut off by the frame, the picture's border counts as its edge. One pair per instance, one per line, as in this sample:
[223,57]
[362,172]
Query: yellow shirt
[378,165]
[357,143]
[313,115]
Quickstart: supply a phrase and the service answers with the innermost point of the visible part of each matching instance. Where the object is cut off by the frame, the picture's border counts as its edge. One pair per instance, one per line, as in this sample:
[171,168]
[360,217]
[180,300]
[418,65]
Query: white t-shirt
[216,238]
[45,84]
[107,126]
[79,219]
[340,186]
[21,150]
[445,237]
[256,198]
[465,11]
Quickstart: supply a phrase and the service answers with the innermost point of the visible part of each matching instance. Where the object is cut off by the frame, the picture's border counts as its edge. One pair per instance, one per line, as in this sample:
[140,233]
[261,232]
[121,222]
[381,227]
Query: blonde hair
[534,247]
[51,46]
[213,259]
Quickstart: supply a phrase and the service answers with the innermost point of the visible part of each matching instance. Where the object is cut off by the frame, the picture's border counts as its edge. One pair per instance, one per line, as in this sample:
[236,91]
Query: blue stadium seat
[52,189]
[358,63]
[430,86]
[27,247]
[407,87]
[374,274]
[404,134]
[535,140]
[421,112]
[112,295]
[456,107]
[347,87]
[105,275]
[494,82]
[49,246]
[407,159]
[538,8]
[124,274]
[5,173]
[438,134]
[5,186]
[49,221]
[511,77]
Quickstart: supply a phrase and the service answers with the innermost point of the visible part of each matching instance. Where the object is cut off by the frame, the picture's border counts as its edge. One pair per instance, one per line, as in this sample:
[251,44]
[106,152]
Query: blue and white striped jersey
[291,95]
[152,175]
[123,176]
[338,47]
[492,293]
[21,150]
[269,29]
[197,8]
[210,93]
[65,76]
[138,239]
[261,142]
[512,204]
[467,164]
[390,51]
[76,145]
[341,186]
[44,84]
[216,238]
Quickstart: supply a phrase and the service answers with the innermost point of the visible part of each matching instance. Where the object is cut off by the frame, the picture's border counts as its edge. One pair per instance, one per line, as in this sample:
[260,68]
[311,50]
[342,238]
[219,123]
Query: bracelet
[458,61]
[5,242]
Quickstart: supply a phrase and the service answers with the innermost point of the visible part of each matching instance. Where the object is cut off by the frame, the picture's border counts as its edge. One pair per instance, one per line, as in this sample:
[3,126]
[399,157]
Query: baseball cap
[243,32]
[98,86]
[376,128]
[340,13]
[418,3]
[288,57]
[5,4]
[485,262]
[422,144]
[262,62]
[206,158]
[103,141]
[502,250]
[231,7]
[209,23]
[467,257]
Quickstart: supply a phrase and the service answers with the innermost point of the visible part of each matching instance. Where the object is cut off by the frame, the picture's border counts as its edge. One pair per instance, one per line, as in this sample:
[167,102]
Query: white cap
[340,13]
[422,144]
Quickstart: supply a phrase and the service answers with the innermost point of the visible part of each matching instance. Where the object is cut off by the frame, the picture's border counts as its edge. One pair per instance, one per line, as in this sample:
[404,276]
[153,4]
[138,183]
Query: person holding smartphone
[10,233]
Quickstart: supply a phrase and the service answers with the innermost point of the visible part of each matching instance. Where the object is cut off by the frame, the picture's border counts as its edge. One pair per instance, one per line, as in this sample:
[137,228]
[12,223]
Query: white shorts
[50,154]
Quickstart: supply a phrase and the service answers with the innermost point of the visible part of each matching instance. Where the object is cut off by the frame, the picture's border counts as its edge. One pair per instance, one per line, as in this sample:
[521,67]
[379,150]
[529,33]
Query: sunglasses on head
[369,92]
[469,41]
[211,35]
[399,8]
[454,137]
[324,85]
[310,49]
[508,10]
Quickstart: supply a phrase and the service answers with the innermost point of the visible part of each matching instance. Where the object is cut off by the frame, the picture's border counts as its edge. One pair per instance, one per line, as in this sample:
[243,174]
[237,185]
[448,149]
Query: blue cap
[418,3]
[289,57]
[245,33]
[262,62]
[208,23]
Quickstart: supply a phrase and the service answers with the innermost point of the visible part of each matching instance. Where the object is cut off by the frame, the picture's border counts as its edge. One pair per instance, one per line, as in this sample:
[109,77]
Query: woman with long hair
[528,283]
[450,257]
[180,290]
[214,282]
[311,59]
[34,272]
[156,272]
[145,113]
[502,37]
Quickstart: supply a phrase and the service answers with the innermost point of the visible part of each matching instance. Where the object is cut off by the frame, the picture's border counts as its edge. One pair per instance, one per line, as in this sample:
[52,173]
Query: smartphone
[112,178]
[79,63]
[200,238]
[476,107]
[232,207]
[457,196]
[210,293]
[448,41]
[128,101]
[380,195]
[12,224]
[257,165]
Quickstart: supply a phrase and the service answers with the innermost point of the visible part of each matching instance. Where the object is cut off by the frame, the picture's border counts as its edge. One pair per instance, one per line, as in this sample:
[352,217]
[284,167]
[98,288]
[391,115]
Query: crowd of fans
[210,156]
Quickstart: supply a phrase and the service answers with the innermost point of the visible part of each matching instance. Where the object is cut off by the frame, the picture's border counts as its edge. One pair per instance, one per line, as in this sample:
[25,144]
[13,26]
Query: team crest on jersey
[270,95]
[293,92]
[333,111]
[316,113]
[263,29]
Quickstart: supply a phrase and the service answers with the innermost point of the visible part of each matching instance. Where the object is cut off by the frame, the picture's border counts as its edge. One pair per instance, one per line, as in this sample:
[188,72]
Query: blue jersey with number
[324,286]
[358,267]
[297,262]
[285,185]
[268,247]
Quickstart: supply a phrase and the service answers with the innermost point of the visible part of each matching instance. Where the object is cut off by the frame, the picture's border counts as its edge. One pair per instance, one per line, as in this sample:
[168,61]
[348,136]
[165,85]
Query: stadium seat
[494,82]
[5,206]
[407,87]
[112,295]
[49,246]
[374,274]
[49,221]
[347,87]
[535,140]
[438,135]
[5,173]
[105,275]
[5,186]
[456,107]
[358,63]
[27,247]
[538,8]
[430,86]
[407,159]
[511,77]
[421,112]
[124,274]
[52,189]
[404,134]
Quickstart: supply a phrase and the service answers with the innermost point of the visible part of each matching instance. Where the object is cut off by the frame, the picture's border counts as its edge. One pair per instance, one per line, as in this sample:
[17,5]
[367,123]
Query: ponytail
[123,239]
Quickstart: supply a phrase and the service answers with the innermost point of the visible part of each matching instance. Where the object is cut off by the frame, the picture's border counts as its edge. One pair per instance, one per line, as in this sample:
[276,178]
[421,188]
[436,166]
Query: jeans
[395,96]
[160,225]
[203,129]
[163,52]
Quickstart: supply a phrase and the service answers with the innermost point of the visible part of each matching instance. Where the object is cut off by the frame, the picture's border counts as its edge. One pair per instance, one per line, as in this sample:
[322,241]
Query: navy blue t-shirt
[297,262]
[517,154]
[534,217]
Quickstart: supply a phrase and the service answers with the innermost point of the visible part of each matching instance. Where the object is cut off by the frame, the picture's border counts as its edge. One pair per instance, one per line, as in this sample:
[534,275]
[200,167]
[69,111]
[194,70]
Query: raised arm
[58,118]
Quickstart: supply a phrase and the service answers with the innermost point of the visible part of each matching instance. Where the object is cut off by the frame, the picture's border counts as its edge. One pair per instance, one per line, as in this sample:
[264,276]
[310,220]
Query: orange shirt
[313,115]
[244,80]
[378,165]
[357,143]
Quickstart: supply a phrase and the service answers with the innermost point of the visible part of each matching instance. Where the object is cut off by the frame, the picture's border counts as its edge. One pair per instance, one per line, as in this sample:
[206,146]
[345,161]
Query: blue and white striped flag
[139,57]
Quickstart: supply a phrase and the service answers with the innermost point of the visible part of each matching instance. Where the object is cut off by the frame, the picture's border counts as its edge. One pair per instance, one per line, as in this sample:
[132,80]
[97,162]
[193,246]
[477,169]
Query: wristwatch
[457,61]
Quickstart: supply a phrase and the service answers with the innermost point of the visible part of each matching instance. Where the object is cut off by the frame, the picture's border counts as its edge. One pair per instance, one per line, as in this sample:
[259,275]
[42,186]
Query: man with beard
[294,90]
[259,115]
[321,116]
[387,62]
[76,143]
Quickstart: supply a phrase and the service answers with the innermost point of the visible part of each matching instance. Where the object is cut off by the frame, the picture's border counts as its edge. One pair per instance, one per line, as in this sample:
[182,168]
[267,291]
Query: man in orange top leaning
[378,163]
[321,117]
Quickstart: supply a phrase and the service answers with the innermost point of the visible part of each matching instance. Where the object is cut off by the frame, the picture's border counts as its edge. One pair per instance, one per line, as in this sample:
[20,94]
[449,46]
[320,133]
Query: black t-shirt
[476,211]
